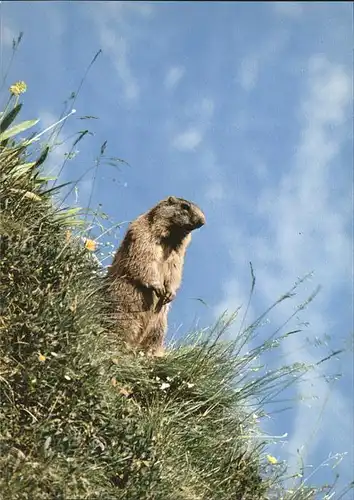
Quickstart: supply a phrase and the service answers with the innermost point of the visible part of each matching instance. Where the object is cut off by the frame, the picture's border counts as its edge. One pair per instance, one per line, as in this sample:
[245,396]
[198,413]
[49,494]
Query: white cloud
[84,191]
[212,181]
[56,21]
[173,77]
[118,48]
[215,191]
[288,9]
[188,140]
[252,65]
[236,298]
[199,117]
[118,11]
[7,35]
[206,109]
[117,35]
[307,223]
[304,203]
[46,119]
[56,156]
[248,73]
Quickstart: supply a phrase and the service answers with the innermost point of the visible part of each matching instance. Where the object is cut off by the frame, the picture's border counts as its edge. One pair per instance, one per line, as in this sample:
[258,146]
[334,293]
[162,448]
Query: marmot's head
[178,214]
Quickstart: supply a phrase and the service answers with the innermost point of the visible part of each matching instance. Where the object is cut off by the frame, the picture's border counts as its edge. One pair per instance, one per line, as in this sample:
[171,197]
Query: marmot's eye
[184,206]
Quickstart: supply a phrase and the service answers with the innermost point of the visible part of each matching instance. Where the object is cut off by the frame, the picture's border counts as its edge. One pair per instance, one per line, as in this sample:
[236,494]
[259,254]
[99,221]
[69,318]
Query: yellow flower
[125,392]
[41,358]
[32,196]
[73,305]
[18,88]
[90,245]
[272,459]
[67,235]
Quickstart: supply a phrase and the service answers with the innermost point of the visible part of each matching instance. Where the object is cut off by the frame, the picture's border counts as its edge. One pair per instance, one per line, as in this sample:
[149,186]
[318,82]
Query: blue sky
[244,108]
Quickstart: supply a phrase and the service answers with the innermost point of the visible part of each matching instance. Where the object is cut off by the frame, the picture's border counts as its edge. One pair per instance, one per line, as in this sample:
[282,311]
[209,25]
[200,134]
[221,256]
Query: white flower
[164,385]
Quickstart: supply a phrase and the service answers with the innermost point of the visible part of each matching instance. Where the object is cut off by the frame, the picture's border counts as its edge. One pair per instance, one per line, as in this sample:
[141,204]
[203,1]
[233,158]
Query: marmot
[146,271]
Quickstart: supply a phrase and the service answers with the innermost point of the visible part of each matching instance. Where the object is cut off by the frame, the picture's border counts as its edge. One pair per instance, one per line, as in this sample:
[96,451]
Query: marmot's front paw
[169,296]
[157,288]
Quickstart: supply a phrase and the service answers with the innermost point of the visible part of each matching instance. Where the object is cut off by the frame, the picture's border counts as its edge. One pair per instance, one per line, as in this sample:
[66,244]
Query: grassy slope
[82,419]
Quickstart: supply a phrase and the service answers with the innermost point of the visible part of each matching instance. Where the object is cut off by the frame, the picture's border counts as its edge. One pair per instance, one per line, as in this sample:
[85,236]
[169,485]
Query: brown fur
[147,270]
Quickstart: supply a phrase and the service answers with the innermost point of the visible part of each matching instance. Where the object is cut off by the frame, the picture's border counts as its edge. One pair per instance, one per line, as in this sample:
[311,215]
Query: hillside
[80,418]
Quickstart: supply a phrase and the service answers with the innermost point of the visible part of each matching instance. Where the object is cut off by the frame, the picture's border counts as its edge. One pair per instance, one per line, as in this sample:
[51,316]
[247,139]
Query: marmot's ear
[171,199]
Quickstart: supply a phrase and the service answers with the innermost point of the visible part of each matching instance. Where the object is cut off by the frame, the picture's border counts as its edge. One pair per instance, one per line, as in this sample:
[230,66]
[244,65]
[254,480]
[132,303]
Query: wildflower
[41,358]
[21,455]
[18,88]
[73,305]
[164,386]
[91,245]
[67,235]
[125,392]
[272,459]
[32,196]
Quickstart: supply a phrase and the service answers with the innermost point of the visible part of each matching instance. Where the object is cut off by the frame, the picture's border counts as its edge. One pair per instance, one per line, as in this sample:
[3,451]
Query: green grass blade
[17,129]
[9,118]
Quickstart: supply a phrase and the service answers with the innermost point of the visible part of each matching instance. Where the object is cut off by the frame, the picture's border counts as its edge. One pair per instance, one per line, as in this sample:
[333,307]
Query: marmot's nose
[200,221]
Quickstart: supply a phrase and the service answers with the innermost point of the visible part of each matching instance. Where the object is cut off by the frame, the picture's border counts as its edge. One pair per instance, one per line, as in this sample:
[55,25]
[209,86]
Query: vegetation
[81,418]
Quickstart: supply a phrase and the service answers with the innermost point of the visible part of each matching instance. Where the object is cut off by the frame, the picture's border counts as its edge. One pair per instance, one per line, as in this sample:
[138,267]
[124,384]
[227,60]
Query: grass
[81,418]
